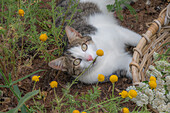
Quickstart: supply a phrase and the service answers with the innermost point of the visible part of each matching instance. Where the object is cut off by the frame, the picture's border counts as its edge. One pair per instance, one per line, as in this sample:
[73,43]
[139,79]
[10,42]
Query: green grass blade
[3,86]
[6,81]
[10,78]
[25,77]
[1,93]
[23,100]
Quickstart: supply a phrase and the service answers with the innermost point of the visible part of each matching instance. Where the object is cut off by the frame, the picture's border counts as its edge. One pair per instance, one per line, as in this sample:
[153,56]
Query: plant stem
[36,53]
[2,6]
[77,78]
[34,86]
[113,89]
[56,96]
[102,103]
[58,102]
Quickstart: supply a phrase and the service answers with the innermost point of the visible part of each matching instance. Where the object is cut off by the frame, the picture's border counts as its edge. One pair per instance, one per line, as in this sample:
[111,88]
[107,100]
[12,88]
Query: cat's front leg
[130,37]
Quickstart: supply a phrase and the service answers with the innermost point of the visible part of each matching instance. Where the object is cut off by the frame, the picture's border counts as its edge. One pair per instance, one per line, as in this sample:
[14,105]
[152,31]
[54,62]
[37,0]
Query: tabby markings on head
[78,55]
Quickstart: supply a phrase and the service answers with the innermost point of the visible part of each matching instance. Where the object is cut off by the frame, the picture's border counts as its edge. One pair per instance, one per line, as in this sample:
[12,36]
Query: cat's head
[79,55]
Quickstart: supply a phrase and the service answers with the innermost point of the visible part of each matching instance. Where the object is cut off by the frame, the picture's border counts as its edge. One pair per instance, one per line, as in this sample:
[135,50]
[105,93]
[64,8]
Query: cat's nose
[89,58]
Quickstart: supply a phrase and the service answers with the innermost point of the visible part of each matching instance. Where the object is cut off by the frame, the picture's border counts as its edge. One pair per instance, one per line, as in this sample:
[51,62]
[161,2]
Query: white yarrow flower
[168,88]
[143,85]
[160,97]
[167,79]
[156,102]
[155,72]
[168,108]
[168,96]
[130,88]
[162,65]
[160,83]
[150,94]
[155,55]
[162,108]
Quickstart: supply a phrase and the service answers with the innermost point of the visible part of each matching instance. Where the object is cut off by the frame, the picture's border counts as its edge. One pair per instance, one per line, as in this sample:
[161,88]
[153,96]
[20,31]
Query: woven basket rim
[152,30]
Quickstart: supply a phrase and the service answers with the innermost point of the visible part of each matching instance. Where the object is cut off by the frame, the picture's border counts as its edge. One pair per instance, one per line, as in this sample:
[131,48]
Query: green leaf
[131,9]
[1,93]
[3,86]
[17,91]
[110,7]
[23,100]
[25,77]
[167,52]
[10,78]
[165,44]
[23,109]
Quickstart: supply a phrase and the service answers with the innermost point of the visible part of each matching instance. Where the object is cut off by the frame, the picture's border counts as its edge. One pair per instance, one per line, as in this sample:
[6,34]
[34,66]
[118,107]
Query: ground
[145,15]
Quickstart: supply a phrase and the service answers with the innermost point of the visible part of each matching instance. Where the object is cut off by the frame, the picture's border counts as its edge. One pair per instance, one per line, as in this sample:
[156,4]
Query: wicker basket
[157,35]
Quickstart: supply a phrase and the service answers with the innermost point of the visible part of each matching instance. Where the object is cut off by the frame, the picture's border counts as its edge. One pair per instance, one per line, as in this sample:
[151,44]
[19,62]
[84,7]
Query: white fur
[111,38]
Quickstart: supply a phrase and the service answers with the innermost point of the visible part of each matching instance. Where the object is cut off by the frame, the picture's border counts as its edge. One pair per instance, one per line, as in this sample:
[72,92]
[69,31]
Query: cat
[95,28]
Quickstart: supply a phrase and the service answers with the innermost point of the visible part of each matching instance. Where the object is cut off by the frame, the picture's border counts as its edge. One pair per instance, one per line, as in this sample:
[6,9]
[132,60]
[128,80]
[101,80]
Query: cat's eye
[84,47]
[77,62]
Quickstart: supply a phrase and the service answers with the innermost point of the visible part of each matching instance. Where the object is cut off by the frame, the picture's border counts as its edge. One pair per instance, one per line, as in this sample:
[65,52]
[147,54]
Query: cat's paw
[121,73]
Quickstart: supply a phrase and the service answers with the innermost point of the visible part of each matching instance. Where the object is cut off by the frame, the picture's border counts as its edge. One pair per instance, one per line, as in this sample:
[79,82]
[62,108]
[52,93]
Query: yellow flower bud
[100,52]
[43,37]
[125,110]
[53,84]
[124,94]
[76,111]
[101,77]
[152,84]
[35,78]
[21,12]
[132,94]
[113,78]
[152,78]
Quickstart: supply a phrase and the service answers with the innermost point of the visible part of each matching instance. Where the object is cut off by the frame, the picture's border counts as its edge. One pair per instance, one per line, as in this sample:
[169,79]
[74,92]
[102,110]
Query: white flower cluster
[167,79]
[163,66]
[160,97]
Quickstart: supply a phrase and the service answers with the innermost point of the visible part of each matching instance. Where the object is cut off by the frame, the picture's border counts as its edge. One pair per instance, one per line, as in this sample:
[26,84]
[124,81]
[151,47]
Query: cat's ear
[58,64]
[72,34]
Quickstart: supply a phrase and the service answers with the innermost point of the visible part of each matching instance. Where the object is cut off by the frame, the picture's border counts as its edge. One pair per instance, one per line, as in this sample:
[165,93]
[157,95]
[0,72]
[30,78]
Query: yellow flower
[113,78]
[21,12]
[152,78]
[35,78]
[100,52]
[53,84]
[101,77]
[152,84]
[132,94]
[76,111]
[83,112]
[125,110]
[124,94]
[43,37]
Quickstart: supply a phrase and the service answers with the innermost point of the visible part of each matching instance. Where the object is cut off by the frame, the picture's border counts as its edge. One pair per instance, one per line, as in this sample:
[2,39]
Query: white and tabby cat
[95,28]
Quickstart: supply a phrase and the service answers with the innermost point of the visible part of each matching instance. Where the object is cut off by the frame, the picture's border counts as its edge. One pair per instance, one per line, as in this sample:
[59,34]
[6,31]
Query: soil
[145,15]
